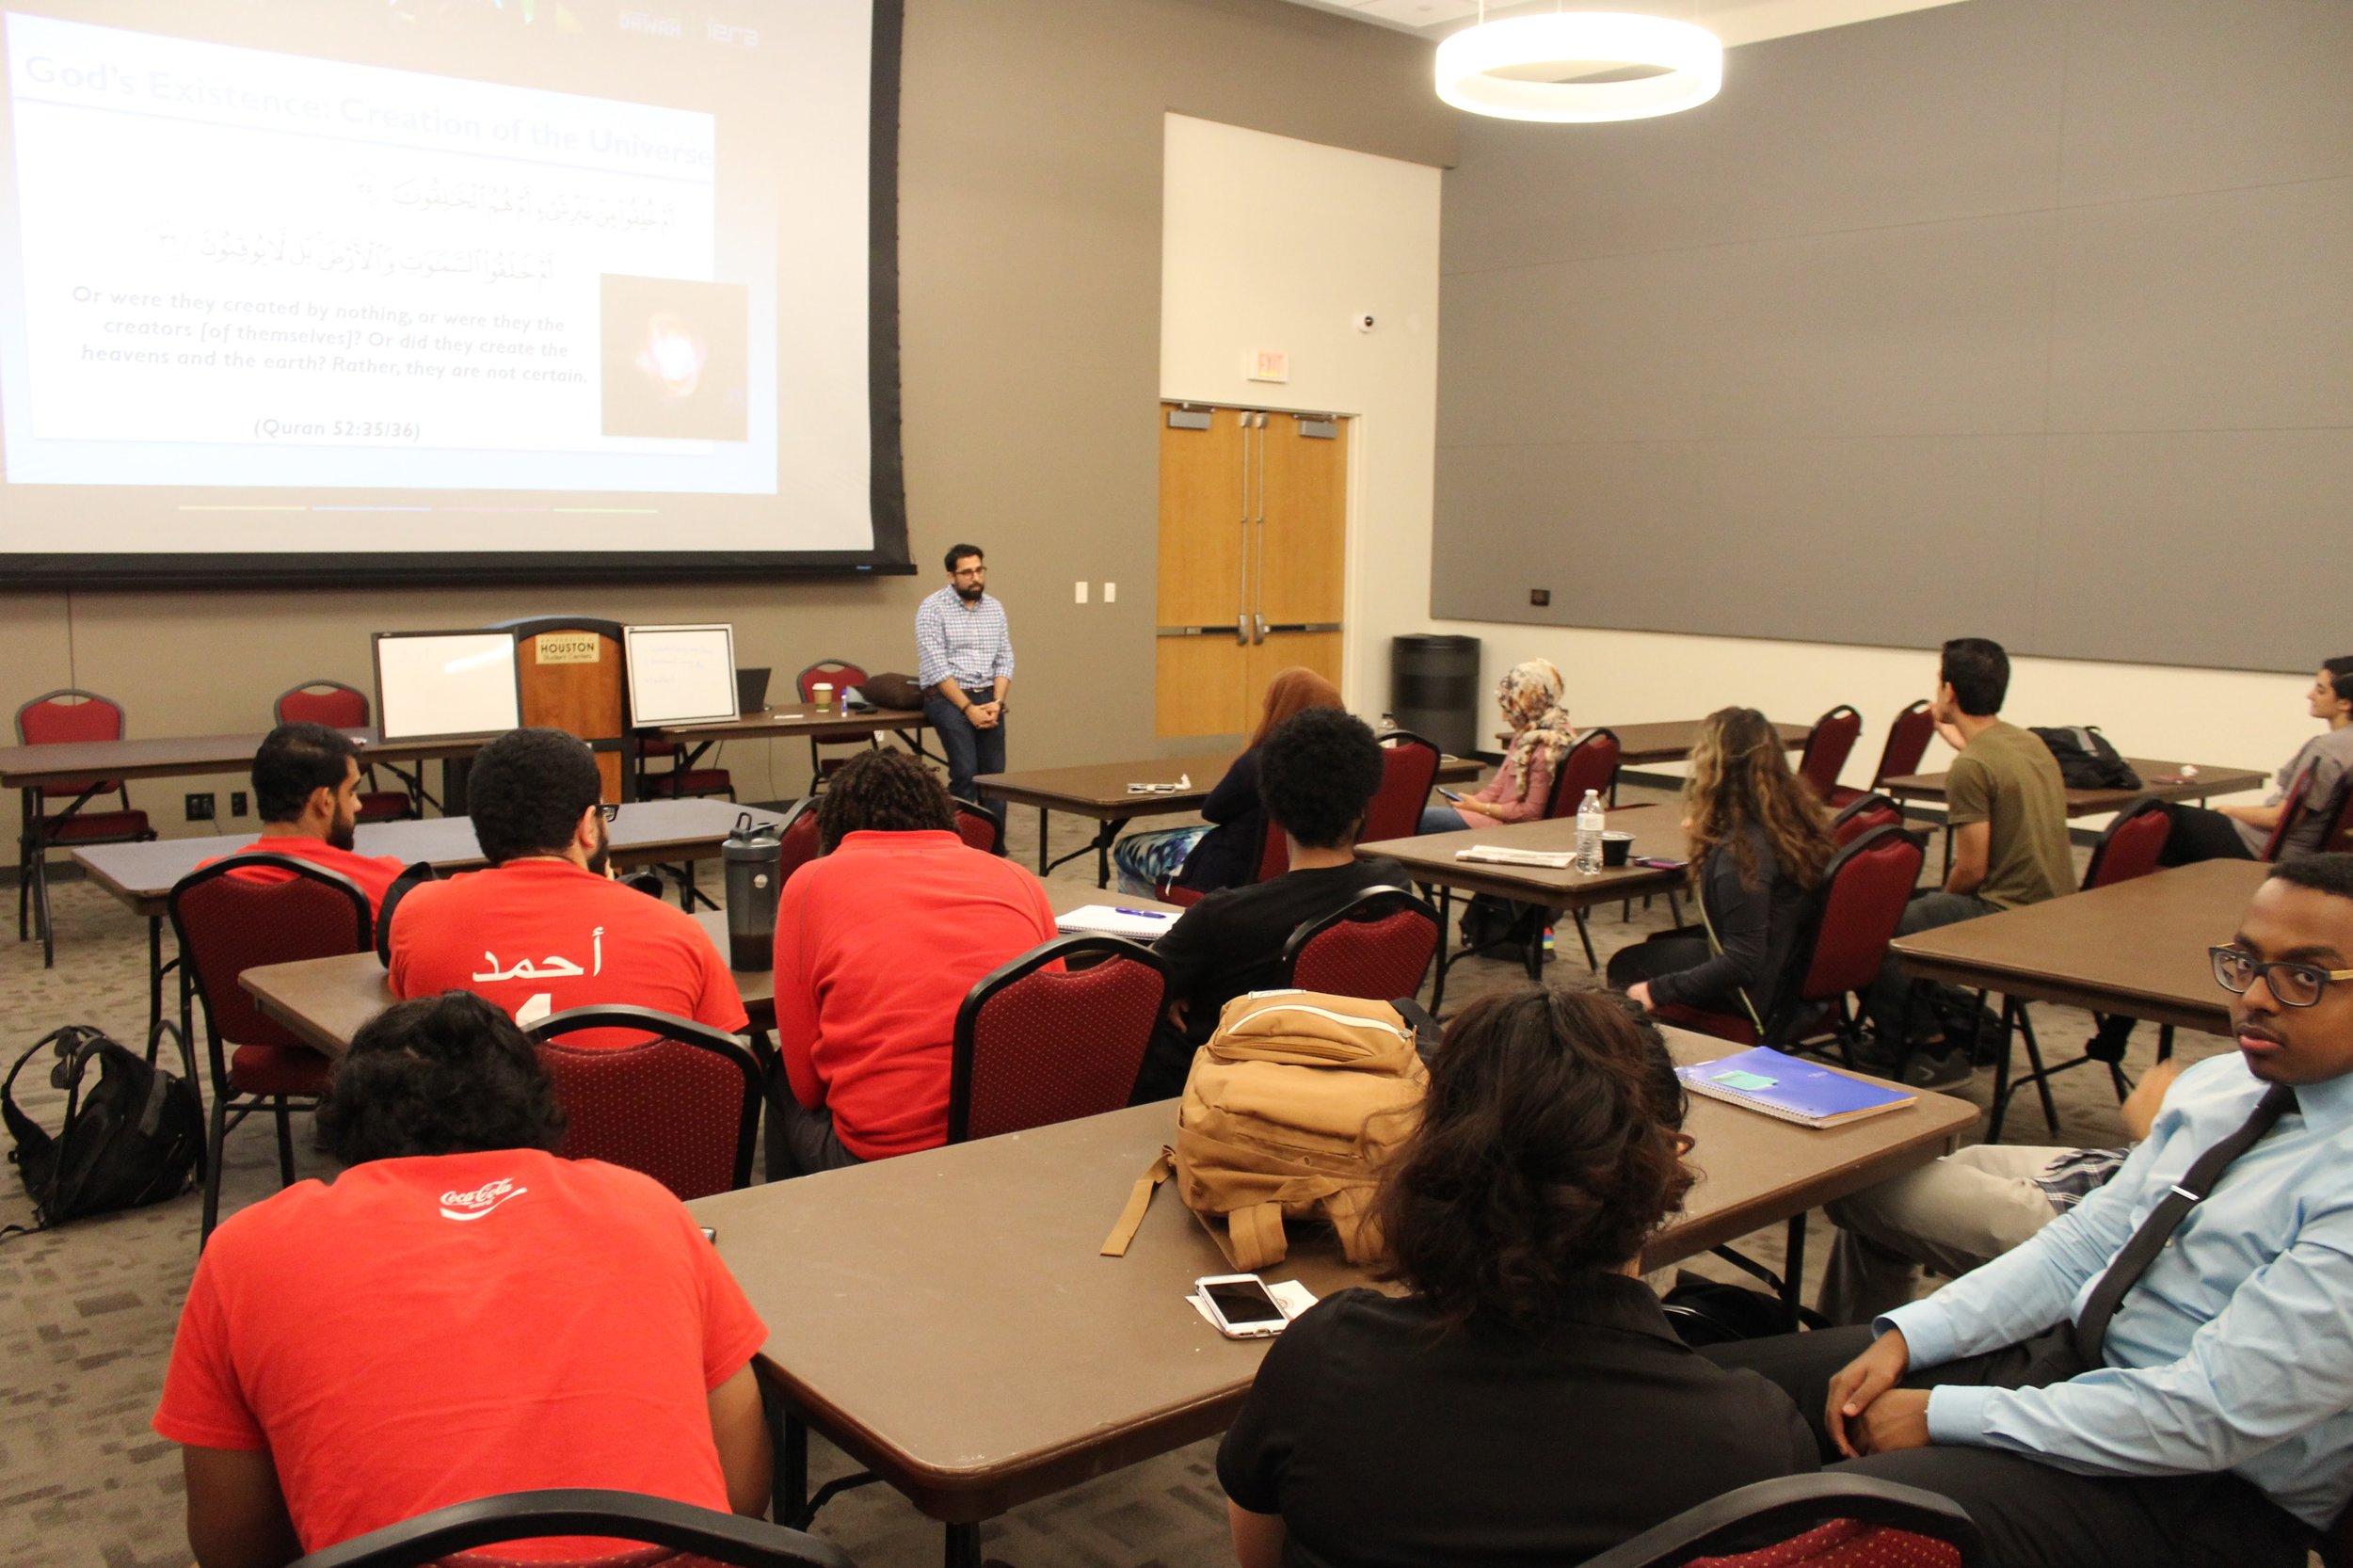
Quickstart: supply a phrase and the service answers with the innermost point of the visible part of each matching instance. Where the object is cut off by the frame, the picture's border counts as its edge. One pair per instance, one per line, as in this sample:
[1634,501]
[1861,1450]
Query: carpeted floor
[86,1313]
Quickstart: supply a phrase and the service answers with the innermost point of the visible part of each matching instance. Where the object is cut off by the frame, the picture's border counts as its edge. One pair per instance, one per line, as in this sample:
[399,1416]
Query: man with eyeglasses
[545,928]
[964,661]
[2164,1374]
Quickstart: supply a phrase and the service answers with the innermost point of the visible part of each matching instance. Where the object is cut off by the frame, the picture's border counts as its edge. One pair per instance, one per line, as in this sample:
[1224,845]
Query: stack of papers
[1551,860]
[1142,924]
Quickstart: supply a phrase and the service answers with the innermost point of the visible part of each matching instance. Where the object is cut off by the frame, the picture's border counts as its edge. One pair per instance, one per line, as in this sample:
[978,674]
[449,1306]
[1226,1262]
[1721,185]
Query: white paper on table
[1114,922]
[1291,1296]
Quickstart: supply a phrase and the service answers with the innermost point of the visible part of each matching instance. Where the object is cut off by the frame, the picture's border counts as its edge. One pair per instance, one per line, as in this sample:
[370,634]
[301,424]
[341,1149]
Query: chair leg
[2003,1088]
[2034,1060]
[213,1164]
[285,1141]
[1585,936]
[1446,924]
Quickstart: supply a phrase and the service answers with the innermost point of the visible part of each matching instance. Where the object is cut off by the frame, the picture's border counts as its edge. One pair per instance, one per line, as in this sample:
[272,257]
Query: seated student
[1225,851]
[878,942]
[2150,1378]
[1529,695]
[1758,840]
[1527,1403]
[545,928]
[306,788]
[2240,832]
[1961,1211]
[2006,809]
[459,1314]
[1318,773]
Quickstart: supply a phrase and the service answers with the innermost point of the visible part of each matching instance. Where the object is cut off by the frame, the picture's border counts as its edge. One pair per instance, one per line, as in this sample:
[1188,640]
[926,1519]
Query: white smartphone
[1240,1306]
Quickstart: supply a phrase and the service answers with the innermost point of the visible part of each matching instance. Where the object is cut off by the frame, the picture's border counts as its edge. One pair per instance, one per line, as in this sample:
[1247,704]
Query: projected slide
[599,283]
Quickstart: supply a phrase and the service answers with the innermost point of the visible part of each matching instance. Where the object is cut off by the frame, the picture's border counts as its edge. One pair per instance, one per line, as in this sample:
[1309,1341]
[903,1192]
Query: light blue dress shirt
[969,644]
[2234,1351]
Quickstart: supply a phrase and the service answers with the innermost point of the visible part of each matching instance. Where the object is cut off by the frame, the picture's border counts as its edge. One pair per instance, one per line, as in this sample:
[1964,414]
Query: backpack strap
[1140,1199]
[1347,1210]
[1255,1235]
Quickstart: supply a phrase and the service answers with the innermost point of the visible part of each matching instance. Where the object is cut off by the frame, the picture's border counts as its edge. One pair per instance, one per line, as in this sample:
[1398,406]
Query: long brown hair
[1291,691]
[1740,776]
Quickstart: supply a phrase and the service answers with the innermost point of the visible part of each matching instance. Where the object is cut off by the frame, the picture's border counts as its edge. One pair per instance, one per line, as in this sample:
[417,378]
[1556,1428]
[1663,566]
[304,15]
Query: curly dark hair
[527,791]
[2322,873]
[1318,771]
[882,791]
[438,1075]
[1549,1148]
[296,760]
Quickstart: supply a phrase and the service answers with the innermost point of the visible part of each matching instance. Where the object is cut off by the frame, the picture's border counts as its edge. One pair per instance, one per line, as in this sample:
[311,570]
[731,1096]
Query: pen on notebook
[1141,914]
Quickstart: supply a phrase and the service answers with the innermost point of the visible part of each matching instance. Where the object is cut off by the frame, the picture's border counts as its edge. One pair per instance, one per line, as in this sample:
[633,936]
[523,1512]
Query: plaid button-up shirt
[970,644]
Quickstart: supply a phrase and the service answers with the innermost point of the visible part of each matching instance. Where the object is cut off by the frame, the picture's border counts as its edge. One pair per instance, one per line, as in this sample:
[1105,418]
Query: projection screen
[435,290]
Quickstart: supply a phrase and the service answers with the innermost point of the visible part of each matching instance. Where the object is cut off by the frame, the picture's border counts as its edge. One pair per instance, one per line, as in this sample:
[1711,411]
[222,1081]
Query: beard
[601,857]
[971,595]
[343,833]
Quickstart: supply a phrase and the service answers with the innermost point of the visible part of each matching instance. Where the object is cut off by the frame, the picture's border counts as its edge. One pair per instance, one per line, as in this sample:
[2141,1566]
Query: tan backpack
[1290,1111]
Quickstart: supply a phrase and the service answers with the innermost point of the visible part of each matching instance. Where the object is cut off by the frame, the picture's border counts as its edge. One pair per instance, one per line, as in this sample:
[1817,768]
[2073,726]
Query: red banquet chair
[64,717]
[2294,808]
[2128,847]
[1823,1520]
[1844,928]
[1908,740]
[675,1535]
[1861,814]
[1827,747]
[1409,770]
[1053,1036]
[341,707]
[1591,764]
[682,1105]
[837,673]
[979,829]
[1378,946]
[1275,859]
[234,915]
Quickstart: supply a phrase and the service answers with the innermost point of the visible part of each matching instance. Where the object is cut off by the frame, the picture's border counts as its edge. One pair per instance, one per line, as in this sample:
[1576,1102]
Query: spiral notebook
[1764,1080]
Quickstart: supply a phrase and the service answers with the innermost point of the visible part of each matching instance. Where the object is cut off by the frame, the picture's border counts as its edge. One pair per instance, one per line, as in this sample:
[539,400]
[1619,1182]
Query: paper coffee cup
[822,695]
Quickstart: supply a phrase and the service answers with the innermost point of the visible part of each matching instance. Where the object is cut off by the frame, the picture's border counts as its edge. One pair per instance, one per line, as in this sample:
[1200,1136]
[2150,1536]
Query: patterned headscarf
[1540,731]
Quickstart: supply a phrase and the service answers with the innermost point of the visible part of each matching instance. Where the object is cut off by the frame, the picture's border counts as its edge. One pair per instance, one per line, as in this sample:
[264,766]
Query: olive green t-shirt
[2008,778]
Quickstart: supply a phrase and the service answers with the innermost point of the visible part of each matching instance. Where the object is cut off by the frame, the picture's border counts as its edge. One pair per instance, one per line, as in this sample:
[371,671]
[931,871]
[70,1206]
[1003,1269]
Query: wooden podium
[573,681]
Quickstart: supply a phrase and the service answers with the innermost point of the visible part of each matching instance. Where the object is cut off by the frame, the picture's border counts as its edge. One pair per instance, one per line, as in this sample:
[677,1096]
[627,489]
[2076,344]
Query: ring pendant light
[1484,69]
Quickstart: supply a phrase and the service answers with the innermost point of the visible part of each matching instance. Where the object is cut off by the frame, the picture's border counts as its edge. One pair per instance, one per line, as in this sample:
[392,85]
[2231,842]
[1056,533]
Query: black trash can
[1433,690]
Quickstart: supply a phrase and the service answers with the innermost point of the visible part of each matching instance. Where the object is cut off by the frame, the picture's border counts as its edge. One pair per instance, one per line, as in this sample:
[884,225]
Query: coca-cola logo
[481,1201]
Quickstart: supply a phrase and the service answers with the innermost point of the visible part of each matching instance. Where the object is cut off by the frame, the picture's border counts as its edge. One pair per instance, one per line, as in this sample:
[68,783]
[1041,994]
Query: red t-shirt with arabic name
[429,1331]
[541,936]
[373,872]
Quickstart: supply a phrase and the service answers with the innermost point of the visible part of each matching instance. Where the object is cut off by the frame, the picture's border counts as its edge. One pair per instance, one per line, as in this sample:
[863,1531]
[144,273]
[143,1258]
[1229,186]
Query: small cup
[821,698]
[1615,847]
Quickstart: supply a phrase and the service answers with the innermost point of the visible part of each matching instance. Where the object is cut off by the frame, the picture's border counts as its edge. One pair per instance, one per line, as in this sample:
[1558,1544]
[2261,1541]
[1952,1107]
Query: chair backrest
[836,672]
[1041,1039]
[1861,814]
[1274,854]
[2129,846]
[1591,764]
[62,717]
[1377,945]
[1848,1521]
[252,909]
[1827,747]
[799,844]
[978,828]
[2292,807]
[328,703]
[1907,742]
[1409,766]
[453,1532]
[2338,839]
[1852,916]
[682,1107]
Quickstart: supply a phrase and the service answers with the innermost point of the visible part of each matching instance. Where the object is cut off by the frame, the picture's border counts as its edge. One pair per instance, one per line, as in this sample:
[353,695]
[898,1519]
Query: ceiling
[1735,22]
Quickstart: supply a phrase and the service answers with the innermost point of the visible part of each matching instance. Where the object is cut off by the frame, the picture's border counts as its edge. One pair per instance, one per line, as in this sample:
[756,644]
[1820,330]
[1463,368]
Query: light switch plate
[1110,593]
[1080,597]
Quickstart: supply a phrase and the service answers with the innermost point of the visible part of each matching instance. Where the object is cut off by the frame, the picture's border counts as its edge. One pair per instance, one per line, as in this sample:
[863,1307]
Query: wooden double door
[1254,543]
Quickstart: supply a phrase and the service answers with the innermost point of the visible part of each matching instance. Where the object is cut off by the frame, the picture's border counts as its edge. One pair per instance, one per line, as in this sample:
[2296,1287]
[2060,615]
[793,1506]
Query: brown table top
[1100,790]
[1429,857]
[798,719]
[324,1000]
[173,755]
[2138,948]
[645,832]
[2158,780]
[1672,740]
[945,1317]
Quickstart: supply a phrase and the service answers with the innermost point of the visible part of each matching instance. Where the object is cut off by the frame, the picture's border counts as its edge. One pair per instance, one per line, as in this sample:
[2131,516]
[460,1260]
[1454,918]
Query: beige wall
[1030,260]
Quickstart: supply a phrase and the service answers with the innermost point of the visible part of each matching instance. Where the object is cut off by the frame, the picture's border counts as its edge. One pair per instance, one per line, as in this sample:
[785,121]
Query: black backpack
[134,1134]
[2086,759]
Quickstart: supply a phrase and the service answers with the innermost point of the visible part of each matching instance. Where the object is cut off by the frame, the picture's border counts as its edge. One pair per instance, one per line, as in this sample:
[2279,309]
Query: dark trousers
[1669,953]
[2201,835]
[970,752]
[2033,1515]
[810,1145]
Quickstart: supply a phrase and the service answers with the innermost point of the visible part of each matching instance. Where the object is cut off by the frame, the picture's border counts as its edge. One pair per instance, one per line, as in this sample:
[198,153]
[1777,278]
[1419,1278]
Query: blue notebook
[1764,1080]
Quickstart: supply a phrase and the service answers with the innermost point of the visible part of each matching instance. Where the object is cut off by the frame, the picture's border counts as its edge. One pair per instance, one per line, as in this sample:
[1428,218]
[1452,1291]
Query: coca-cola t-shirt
[428,1330]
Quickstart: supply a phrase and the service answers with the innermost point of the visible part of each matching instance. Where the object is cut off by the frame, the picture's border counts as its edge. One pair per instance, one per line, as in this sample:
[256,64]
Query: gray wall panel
[1831,358]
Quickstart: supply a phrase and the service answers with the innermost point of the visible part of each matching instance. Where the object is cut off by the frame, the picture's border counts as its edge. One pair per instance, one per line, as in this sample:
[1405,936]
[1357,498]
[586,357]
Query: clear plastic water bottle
[1589,822]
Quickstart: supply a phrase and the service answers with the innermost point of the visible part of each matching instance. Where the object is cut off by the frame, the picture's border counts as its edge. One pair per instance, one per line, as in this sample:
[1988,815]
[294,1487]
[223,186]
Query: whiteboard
[437,684]
[681,674]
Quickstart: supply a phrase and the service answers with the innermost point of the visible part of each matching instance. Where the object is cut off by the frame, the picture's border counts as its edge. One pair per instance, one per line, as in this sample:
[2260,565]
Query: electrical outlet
[236,803]
[1540,596]
[201,805]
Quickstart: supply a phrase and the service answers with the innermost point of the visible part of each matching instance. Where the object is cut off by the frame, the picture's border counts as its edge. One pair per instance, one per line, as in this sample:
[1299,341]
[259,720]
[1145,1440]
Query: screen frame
[889,557]
[376,664]
[629,663]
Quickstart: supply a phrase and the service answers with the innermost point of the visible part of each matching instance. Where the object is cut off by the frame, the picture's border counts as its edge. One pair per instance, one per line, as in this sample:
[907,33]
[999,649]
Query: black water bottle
[755,862]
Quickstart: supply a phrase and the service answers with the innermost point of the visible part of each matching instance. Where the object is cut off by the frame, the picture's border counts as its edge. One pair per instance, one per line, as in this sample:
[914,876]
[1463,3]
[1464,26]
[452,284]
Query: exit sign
[1270,364]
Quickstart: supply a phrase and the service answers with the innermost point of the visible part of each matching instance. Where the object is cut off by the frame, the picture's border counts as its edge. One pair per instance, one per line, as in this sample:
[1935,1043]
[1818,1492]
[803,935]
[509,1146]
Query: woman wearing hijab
[1540,732]
[1223,850]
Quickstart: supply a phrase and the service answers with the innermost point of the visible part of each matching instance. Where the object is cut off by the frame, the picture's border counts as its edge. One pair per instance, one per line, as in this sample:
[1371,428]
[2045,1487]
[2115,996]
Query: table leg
[1042,867]
[1793,1273]
[1445,940]
[964,1546]
[154,974]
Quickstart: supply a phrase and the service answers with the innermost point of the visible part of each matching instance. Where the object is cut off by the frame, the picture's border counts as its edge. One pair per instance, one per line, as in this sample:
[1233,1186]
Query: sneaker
[1927,1069]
